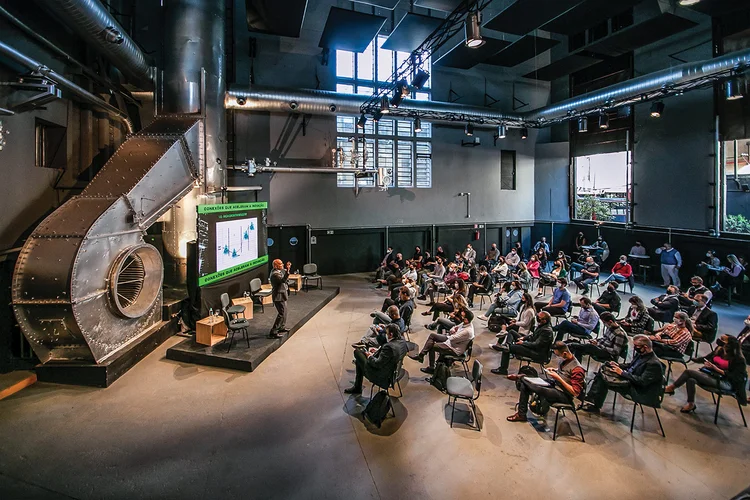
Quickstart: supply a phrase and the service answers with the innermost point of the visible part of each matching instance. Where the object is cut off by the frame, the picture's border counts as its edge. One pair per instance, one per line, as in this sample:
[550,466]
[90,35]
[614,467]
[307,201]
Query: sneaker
[499,371]
[590,408]
[422,297]
[483,318]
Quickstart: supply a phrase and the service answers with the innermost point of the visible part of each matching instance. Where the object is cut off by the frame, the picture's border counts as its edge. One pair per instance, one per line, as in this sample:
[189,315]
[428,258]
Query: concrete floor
[171,430]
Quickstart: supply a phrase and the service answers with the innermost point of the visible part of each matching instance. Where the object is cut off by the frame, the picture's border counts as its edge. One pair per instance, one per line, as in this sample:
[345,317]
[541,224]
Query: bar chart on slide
[236,242]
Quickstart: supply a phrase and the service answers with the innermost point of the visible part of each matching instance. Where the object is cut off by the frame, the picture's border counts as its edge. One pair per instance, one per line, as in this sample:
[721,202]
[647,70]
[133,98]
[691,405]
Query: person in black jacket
[705,321]
[536,345]
[723,369]
[482,285]
[379,365]
[609,300]
[665,305]
[279,295]
[641,379]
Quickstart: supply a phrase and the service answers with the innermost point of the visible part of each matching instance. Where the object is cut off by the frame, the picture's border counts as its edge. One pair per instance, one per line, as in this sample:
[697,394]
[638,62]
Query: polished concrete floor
[172,430]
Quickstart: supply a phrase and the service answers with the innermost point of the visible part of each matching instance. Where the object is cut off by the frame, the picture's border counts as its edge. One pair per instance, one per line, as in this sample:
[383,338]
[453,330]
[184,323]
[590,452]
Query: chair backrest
[689,349]
[225,300]
[476,376]
[469,348]
[255,285]
[227,319]
[309,269]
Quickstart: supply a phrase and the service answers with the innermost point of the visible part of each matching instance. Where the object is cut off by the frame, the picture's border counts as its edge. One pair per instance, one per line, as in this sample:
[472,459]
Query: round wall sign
[270,242]
[293,241]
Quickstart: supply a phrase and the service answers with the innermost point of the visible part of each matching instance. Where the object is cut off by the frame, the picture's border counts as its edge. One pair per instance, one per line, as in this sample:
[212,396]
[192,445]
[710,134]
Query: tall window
[602,187]
[402,155]
[737,186]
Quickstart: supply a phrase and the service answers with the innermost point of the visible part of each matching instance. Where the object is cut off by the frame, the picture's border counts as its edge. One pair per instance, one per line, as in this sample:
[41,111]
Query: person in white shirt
[671,262]
[500,271]
[637,249]
[455,343]
[512,259]
[470,255]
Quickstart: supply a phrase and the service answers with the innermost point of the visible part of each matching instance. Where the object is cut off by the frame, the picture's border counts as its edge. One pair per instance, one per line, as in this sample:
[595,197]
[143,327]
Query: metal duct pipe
[78,92]
[90,20]
[321,102]
[619,94]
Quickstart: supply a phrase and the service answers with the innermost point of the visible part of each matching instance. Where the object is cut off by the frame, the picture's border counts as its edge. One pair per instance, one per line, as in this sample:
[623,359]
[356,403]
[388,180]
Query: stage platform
[302,307]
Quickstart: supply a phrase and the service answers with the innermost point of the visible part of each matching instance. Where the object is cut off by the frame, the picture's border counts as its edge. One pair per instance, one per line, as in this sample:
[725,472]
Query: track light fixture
[524,133]
[603,121]
[403,87]
[502,131]
[362,120]
[687,3]
[583,124]
[385,105]
[657,109]
[417,124]
[420,78]
[473,30]
[469,130]
[733,88]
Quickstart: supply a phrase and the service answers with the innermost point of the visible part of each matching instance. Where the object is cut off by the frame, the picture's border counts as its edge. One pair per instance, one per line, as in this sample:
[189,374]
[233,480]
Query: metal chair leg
[476,417]
[632,420]
[614,400]
[247,337]
[718,403]
[453,409]
[580,429]
[231,339]
[741,412]
[659,420]
[554,431]
[669,370]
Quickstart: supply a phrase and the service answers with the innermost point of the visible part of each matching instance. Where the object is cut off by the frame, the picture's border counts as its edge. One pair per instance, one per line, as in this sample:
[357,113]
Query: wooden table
[248,303]
[269,299]
[298,279]
[210,330]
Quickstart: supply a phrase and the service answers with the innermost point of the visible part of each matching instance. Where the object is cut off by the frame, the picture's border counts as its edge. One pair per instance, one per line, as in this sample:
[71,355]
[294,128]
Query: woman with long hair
[448,305]
[729,274]
[523,276]
[533,266]
[723,369]
[672,339]
[637,320]
[550,279]
[519,327]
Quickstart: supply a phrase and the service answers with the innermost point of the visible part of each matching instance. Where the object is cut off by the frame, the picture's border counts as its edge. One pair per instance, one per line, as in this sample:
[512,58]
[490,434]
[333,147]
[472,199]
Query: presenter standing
[279,294]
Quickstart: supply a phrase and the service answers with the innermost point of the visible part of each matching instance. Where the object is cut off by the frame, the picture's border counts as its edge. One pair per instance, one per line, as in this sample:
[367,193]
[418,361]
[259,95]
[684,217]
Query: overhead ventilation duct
[86,284]
[100,30]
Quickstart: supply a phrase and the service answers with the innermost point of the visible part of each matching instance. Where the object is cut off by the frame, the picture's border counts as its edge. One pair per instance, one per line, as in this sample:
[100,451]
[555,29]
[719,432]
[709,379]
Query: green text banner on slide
[232,239]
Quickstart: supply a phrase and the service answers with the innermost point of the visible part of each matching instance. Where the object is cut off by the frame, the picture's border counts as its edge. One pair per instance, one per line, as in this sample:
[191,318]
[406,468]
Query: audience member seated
[725,369]
[512,259]
[744,338]
[710,259]
[665,305]
[429,262]
[404,301]
[515,329]
[589,274]
[609,300]
[533,266]
[432,280]
[483,284]
[469,255]
[535,346]
[444,324]
[566,383]
[607,348]
[559,303]
[581,325]
[459,261]
[384,264]
[637,249]
[418,256]
[542,244]
[730,275]
[696,287]
[378,365]
[492,255]
[410,272]
[637,321]
[601,249]
[580,263]
[375,335]
[621,271]
[500,271]
[519,250]
[550,279]
[454,343]
[672,340]
[448,305]
[523,276]
[440,253]
[641,379]
[705,321]
[543,258]
[564,258]
[505,304]
[580,241]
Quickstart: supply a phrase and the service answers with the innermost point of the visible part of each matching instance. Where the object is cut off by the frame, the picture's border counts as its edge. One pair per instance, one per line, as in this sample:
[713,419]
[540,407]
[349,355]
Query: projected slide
[236,242]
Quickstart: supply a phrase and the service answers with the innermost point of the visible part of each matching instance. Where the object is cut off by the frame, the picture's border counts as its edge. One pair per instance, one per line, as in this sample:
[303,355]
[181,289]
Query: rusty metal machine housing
[86,284]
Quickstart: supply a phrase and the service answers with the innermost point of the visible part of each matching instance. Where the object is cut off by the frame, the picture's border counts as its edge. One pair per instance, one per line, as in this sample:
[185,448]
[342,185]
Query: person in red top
[565,383]
[621,272]
[533,266]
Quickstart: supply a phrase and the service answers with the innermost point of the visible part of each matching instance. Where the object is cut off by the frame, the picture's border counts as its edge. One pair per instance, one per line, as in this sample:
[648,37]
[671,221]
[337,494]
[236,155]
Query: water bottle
[211,312]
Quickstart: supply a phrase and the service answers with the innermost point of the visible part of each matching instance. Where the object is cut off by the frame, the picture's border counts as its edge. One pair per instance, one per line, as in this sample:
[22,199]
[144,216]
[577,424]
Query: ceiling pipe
[100,30]
[301,170]
[80,93]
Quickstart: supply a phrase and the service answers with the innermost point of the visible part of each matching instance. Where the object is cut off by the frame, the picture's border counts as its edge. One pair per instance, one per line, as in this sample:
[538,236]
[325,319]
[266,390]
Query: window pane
[424,164]
[369,163]
[385,61]
[400,58]
[405,177]
[385,160]
[426,130]
[601,185]
[344,64]
[344,88]
[345,124]
[404,128]
[361,90]
[421,96]
[366,63]
[370,126]
[344,179]
[385,127]
[508,170]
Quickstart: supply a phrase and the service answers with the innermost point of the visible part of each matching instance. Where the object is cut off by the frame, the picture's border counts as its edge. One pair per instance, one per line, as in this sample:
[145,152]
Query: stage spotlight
[502,131]
[469,130]
[377,116]
[733,89]
[417,124]
[473,30]
[524,133]
[362,120]
[420,79]
[604,121]
[385,105]
[687,3]
[583,124]
[657,109]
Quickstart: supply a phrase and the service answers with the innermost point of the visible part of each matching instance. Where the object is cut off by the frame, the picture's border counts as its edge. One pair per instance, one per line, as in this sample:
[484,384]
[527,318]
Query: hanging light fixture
[417,124]
[362,120]
[385,105]
[420,78]
[473,30]
[603,121]
[687,3]
[657,109]
[502,131]
[583,124]
[524,133]
[733,88]
[469,130]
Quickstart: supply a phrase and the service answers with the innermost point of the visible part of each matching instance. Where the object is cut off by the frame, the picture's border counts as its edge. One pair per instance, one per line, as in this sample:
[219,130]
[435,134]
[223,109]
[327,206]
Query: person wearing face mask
[581,325]
[710,259]
[518,328]
[621,271]
[609,300]
[609,347]
[492,255]
[672,340]
[671,262]
[507,305]
[512,259]
[665,305]
[454,343]
[696,287]
[559,303]
[723,369]
[589,274]
[705,321]
[580,241]
[482,285]
[536,345]
[641,379]
[744,338]
[602,249]
[638,249]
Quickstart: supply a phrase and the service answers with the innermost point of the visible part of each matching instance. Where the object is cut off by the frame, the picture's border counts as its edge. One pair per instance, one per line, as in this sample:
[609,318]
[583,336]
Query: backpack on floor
[495,323]
[377,409]
[538,405]
[439,379]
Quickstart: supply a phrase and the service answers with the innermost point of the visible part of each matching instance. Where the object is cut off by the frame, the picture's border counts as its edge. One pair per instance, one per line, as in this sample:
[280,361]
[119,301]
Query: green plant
[592,208]
[737,224]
